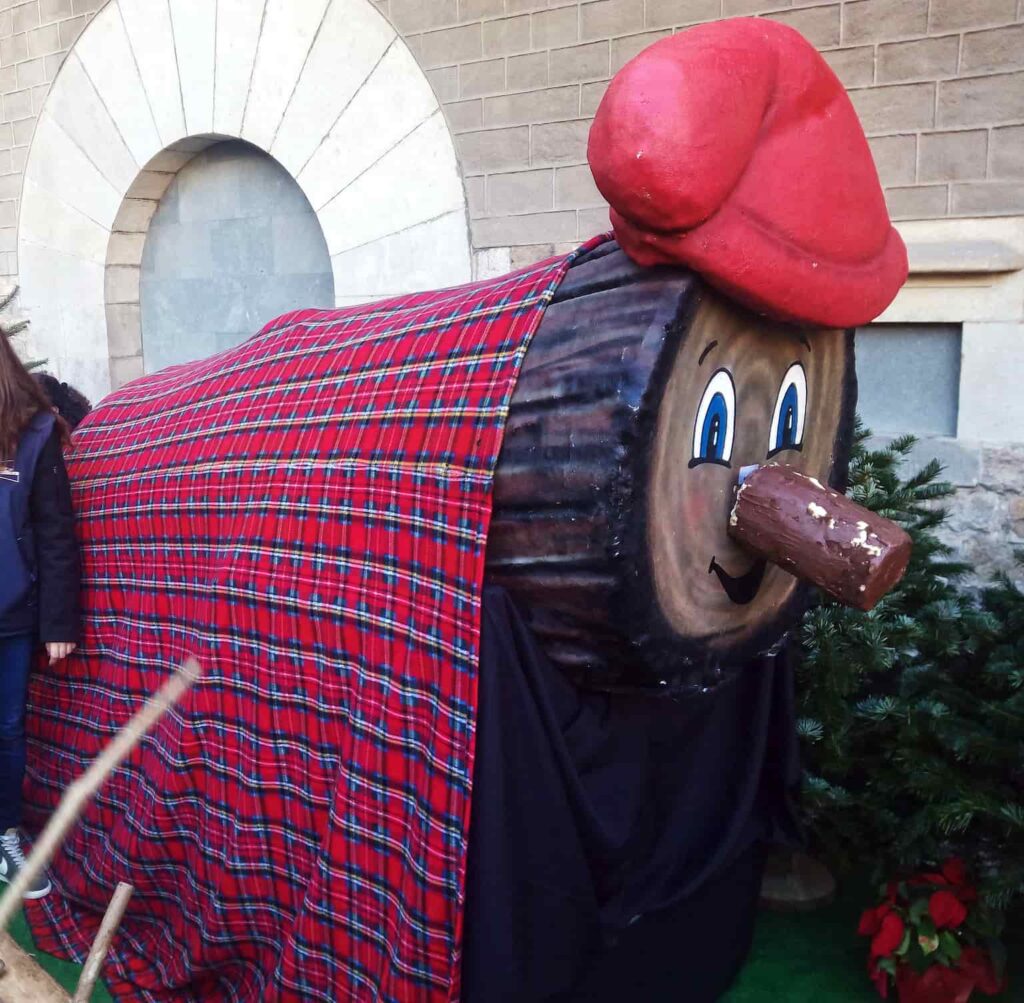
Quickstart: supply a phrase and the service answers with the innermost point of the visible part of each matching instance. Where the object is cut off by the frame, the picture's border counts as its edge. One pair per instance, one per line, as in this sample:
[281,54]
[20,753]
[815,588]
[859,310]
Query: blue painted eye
[785,433]
[715,426]
[787,428]
[712,435]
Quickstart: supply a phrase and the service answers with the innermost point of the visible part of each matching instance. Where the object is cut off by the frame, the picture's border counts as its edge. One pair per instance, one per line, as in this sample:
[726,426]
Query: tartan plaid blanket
[307,514]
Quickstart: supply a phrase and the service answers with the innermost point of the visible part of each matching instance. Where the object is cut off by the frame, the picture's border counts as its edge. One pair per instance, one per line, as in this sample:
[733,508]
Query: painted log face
[642,395]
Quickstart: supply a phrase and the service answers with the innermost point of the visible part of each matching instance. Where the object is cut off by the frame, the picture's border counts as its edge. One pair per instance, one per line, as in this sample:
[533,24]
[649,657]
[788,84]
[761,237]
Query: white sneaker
[12,860]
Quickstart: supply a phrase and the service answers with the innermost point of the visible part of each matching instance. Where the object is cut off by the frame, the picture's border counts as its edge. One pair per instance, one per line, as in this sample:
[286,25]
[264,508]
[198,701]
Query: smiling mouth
[740,589]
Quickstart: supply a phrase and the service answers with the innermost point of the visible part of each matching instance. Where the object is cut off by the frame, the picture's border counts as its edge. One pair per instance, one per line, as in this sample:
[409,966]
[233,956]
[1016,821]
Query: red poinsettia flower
[954,870]
[871,919]
[976,964]
[947,895]
[869,923]
[967,894]
[889,936]
[946,910]
[879,978]
[927,879]
[937,984]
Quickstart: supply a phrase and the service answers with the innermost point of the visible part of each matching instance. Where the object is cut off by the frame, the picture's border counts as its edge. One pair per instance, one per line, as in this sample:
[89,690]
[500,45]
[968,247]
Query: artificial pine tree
[912,716]
[10,330]
[5,301]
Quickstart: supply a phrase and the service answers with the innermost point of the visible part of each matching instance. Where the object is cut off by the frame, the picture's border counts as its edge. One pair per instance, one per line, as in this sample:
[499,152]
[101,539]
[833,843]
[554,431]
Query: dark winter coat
[39,584]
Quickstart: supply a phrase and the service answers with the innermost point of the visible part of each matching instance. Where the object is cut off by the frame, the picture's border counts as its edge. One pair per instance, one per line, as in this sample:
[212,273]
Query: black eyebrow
[804,341]
[704,354]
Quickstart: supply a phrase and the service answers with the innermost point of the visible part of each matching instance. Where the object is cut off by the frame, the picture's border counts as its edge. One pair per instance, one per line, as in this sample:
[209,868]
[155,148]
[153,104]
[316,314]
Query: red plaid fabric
[307,515]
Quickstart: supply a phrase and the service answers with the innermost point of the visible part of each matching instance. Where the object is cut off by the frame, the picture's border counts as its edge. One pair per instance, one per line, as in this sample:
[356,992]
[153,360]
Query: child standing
[39,576]
[66,400]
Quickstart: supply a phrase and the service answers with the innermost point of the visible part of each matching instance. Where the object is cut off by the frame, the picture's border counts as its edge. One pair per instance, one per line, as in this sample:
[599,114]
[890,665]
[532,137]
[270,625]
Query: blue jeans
[15,663]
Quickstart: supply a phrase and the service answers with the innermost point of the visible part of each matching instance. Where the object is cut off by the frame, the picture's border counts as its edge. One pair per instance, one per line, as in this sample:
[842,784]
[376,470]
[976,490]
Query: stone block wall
[985,525]
[939,86]
[986,515]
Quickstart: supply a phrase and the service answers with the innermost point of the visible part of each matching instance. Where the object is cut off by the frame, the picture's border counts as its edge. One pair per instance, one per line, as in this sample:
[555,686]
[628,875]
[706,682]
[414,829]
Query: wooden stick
[100,946]
[77,796]
[23,980]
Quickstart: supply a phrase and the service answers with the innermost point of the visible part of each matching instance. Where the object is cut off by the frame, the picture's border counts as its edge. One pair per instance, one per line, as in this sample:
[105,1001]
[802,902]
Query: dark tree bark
[585,403]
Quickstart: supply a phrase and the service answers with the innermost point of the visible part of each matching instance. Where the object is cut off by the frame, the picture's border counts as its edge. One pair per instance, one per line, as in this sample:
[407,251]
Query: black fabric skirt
[615,846]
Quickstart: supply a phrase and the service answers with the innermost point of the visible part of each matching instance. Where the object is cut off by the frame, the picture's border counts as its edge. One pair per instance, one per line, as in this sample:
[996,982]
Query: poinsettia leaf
[917,959]
[887,965]
[925,927]
[949,945]
[904,944]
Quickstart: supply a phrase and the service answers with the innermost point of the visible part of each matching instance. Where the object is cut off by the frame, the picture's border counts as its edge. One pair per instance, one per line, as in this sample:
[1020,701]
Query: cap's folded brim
[738,254]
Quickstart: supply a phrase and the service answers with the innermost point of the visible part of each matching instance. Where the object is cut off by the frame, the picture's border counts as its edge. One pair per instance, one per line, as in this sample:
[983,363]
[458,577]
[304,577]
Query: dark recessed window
[909,378]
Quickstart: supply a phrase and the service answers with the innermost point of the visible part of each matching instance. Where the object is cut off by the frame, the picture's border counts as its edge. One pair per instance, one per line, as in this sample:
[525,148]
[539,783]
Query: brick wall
[939,86]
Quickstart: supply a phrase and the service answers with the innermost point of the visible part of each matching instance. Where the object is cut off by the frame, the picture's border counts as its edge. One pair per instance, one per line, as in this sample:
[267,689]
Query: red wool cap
[732,148]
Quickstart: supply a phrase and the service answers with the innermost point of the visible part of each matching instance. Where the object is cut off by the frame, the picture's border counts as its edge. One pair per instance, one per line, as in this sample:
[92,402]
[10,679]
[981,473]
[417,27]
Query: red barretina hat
[733,149]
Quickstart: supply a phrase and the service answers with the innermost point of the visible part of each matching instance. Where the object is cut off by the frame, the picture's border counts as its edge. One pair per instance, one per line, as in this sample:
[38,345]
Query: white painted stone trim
[289,29]
[239,26]
[194,23]
[152,40]
[351,42]
[327,87]
[991,365]
[969,293]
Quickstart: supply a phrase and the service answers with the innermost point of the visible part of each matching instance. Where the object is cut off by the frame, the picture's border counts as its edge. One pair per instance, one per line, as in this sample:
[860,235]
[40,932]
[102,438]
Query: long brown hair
[21,399]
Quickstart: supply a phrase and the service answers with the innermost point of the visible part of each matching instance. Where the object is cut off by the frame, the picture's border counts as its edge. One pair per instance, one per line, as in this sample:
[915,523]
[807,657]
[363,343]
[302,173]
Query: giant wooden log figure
[661,424]
[642,396]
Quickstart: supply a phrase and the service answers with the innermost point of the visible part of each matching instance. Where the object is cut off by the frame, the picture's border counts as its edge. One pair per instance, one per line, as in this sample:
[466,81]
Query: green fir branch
[911,718]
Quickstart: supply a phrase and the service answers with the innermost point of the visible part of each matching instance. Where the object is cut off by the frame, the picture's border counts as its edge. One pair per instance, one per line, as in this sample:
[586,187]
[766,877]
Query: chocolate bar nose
[818,535]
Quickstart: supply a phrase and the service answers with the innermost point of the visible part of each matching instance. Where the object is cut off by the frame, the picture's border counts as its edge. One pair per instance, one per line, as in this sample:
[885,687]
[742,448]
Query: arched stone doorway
[325,87]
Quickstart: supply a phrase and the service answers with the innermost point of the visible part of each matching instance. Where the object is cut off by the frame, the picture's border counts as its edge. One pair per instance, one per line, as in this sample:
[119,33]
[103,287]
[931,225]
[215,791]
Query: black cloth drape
[615,841]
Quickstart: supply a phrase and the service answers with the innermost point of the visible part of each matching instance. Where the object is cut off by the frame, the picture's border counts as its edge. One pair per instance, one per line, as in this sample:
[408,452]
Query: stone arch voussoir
[326,87]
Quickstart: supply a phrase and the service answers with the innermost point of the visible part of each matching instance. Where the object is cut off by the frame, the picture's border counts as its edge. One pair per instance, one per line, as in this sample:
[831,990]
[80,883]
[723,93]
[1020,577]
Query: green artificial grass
[817,957]
[65,972]
[812,957]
